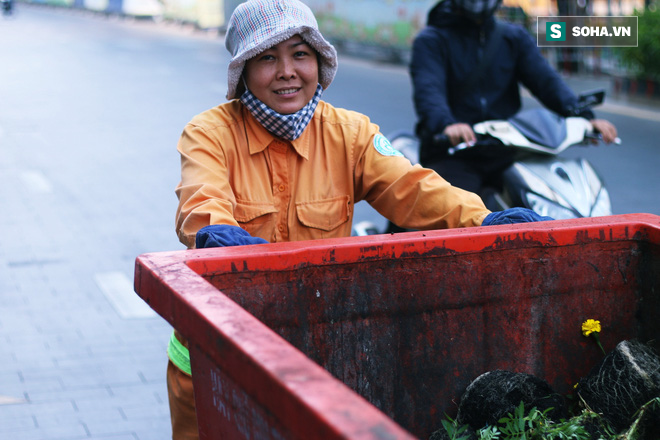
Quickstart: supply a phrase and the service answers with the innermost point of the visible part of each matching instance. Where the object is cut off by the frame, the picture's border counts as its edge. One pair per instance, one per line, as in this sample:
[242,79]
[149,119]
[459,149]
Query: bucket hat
[257,25]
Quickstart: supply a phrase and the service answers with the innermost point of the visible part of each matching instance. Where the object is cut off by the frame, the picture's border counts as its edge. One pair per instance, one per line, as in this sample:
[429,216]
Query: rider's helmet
[477,10]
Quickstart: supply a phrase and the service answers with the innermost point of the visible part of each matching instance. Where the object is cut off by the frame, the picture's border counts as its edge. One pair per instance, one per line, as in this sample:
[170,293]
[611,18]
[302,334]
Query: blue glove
[513,215]
[224,235]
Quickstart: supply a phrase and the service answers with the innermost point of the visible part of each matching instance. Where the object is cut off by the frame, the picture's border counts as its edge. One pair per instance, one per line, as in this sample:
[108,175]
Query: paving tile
[9,425]
[71,432]
[71,397]
[59,407]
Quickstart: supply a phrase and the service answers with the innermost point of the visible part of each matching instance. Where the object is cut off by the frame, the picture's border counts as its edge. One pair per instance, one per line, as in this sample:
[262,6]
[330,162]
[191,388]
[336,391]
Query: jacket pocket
[258,219]
[325,214]
[245,212]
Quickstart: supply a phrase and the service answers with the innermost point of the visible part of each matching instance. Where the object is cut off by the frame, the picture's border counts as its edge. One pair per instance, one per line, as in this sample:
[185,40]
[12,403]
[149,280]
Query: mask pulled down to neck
[288,127]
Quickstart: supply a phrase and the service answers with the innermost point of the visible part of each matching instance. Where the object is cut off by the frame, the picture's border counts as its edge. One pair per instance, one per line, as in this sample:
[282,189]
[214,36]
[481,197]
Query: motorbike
[7,6]
[538,177]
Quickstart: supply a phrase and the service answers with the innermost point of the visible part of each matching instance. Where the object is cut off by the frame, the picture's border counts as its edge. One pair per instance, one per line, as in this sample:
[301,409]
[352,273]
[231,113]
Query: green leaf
[645,58]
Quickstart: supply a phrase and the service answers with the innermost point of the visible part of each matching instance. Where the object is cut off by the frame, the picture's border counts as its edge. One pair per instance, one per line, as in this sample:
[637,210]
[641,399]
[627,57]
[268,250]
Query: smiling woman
[276,163]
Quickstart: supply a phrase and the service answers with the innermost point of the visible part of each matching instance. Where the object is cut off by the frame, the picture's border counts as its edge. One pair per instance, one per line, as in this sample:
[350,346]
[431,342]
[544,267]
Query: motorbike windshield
[541,126]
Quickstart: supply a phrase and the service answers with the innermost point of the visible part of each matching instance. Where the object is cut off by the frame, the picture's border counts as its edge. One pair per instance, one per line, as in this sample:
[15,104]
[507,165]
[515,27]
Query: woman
[276,163]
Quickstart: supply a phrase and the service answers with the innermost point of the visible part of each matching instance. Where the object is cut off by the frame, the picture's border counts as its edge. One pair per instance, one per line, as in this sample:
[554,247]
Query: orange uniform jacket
[235,172]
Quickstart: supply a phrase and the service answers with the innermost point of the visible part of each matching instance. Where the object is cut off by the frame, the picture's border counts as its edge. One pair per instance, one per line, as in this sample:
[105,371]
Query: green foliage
[632,432]
[644,60]
[514,425]
[489,433]
[454,431]
[535,425]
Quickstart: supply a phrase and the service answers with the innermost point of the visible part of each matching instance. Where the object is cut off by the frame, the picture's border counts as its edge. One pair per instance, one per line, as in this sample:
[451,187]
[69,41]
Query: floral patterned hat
[257,25]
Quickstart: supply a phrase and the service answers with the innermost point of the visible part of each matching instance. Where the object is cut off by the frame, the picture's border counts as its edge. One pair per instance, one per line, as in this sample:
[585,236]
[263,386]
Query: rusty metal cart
[377,337]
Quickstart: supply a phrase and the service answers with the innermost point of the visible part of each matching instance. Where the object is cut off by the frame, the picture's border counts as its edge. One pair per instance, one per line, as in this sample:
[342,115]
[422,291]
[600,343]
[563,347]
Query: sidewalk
[81,356]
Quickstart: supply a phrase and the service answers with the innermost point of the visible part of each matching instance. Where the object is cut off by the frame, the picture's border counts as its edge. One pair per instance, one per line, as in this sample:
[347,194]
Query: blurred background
[94,95]
[387,27]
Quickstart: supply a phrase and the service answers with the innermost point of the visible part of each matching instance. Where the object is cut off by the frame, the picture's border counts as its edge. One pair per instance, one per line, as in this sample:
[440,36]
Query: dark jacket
[449,48]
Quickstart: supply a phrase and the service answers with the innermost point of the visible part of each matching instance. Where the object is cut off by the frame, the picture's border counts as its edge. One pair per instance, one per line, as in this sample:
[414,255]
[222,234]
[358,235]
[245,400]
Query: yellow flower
[590,326]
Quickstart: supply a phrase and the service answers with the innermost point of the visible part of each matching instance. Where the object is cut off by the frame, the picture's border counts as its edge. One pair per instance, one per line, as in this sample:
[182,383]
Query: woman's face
[285,76]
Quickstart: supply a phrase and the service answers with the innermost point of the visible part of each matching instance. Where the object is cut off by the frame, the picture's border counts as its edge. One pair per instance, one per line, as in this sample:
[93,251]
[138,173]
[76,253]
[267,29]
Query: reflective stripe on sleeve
[179,355]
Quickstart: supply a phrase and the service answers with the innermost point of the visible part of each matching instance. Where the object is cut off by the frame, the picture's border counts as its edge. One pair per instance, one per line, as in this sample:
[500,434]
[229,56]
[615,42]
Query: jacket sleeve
[543,81]
[428,71]
[410,196]
[205,195]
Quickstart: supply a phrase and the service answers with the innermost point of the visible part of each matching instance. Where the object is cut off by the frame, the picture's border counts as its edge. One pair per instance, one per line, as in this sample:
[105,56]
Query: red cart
[377,337]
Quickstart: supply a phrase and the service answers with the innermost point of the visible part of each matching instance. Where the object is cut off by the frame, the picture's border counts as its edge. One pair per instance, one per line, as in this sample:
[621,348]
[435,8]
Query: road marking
[630,111]
[36,182]
[8,400]
[118,289]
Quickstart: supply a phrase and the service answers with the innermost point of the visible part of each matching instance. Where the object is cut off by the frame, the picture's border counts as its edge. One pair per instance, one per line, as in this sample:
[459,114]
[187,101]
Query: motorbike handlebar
[458,147]
[442,140]
[599,138]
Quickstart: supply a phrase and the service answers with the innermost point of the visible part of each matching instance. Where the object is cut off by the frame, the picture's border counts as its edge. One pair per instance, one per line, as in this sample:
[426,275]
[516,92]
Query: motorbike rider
[7,6]
[466,68]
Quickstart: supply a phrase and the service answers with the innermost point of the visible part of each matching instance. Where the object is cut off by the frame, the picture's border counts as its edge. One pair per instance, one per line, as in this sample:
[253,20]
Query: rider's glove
[513,215]
[224,235]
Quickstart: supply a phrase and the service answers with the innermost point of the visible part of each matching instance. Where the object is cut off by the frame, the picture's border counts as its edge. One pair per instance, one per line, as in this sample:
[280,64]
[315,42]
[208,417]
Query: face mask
[477,10]
[288,127]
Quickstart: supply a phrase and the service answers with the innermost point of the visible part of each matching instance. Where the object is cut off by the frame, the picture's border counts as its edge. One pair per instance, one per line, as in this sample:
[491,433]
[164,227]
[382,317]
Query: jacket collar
[260,138]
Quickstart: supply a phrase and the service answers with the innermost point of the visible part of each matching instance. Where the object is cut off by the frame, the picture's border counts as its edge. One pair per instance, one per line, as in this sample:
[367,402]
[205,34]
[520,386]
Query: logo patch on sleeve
[383,146]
